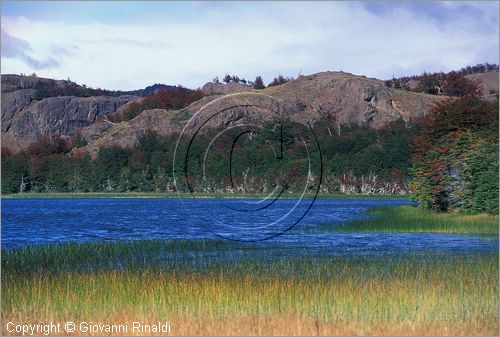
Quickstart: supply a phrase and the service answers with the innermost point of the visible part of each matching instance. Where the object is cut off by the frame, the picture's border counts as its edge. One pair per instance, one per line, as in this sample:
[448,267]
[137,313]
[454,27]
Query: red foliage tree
[456,84]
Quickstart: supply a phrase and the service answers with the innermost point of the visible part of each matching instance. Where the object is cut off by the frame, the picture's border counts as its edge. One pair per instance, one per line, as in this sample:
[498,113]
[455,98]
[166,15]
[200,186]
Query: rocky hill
[340,97]
[26,117]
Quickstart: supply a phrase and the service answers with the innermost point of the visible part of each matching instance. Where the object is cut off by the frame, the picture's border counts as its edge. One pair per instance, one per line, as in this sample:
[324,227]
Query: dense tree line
[353,158]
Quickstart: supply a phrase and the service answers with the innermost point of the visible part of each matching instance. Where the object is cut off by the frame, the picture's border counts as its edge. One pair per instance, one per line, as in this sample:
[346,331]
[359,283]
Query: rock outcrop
[211,88]
[24,119]
[12,83]
[342,97]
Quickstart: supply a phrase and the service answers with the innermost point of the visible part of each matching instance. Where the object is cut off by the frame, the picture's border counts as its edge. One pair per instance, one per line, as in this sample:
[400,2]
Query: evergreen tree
[258,83]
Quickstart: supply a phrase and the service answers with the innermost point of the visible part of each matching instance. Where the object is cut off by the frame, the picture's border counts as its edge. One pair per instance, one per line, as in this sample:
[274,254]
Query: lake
[288,225]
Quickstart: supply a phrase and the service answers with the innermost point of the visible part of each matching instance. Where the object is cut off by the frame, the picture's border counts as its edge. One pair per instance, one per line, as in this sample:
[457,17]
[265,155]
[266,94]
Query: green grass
[189,195]
[116,280]
[105,255]
[411,219]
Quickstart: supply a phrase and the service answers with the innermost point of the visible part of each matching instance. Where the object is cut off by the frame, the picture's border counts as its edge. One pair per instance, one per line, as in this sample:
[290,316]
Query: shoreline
[154,195]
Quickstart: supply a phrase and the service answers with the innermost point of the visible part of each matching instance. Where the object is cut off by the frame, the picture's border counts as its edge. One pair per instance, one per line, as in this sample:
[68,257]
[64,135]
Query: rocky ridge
[339,97]
[342,98]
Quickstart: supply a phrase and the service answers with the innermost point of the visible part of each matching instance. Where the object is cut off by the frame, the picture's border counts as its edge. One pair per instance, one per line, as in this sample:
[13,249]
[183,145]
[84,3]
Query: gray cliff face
[25,119]
[12,103]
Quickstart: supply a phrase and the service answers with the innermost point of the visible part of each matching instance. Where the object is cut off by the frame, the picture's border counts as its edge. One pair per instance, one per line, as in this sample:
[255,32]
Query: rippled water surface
[41,221]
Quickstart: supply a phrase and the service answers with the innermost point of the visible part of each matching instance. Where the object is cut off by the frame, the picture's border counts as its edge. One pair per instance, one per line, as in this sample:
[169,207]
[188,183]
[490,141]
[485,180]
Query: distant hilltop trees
[280,80]
[230,79]
[51,88]
[46,87]
[453,83]
[257,84]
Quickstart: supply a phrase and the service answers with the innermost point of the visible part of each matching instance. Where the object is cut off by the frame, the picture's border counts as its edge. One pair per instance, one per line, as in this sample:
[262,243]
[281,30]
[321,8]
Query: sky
[130,45]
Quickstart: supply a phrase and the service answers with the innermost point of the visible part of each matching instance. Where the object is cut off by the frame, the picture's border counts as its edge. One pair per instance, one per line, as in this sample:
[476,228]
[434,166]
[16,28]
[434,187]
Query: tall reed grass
[201,292]
[412,219]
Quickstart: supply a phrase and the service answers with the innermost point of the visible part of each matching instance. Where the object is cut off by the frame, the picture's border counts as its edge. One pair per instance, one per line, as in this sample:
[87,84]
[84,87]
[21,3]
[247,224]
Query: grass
[189,195]
[411,219]
[200,288]
[105,255]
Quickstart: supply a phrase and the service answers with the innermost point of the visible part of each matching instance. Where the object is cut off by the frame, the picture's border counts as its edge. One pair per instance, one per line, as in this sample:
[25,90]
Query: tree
[430,83]
[259,83]
[227,78]
[167,98]
[79,140]
[455,84]
[279,80]
[455,156]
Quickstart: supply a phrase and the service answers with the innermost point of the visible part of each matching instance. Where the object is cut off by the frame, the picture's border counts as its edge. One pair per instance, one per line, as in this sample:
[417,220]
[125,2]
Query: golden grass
[378,295]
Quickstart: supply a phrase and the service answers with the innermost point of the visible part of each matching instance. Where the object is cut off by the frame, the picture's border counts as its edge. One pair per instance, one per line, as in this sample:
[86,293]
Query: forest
[357,153]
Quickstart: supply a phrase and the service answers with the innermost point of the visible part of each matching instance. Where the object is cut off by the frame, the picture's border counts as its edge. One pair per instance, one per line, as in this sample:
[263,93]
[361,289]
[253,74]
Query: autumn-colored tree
[50,145]
[446,152]
[430,83]
[167,98]
[455,84]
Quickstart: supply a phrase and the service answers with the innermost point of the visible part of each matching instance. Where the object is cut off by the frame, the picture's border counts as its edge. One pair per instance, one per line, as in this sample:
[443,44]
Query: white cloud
[252,40]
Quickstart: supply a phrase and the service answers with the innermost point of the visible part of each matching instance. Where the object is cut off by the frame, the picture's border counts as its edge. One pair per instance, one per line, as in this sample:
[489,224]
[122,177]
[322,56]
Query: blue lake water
[287,224]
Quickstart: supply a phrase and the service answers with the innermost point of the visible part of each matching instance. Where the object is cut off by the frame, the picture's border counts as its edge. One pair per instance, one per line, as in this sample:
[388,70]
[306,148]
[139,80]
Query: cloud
[64,51]
[249,39]
[444,15]
[47,63]
[13,47]
[135,43]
